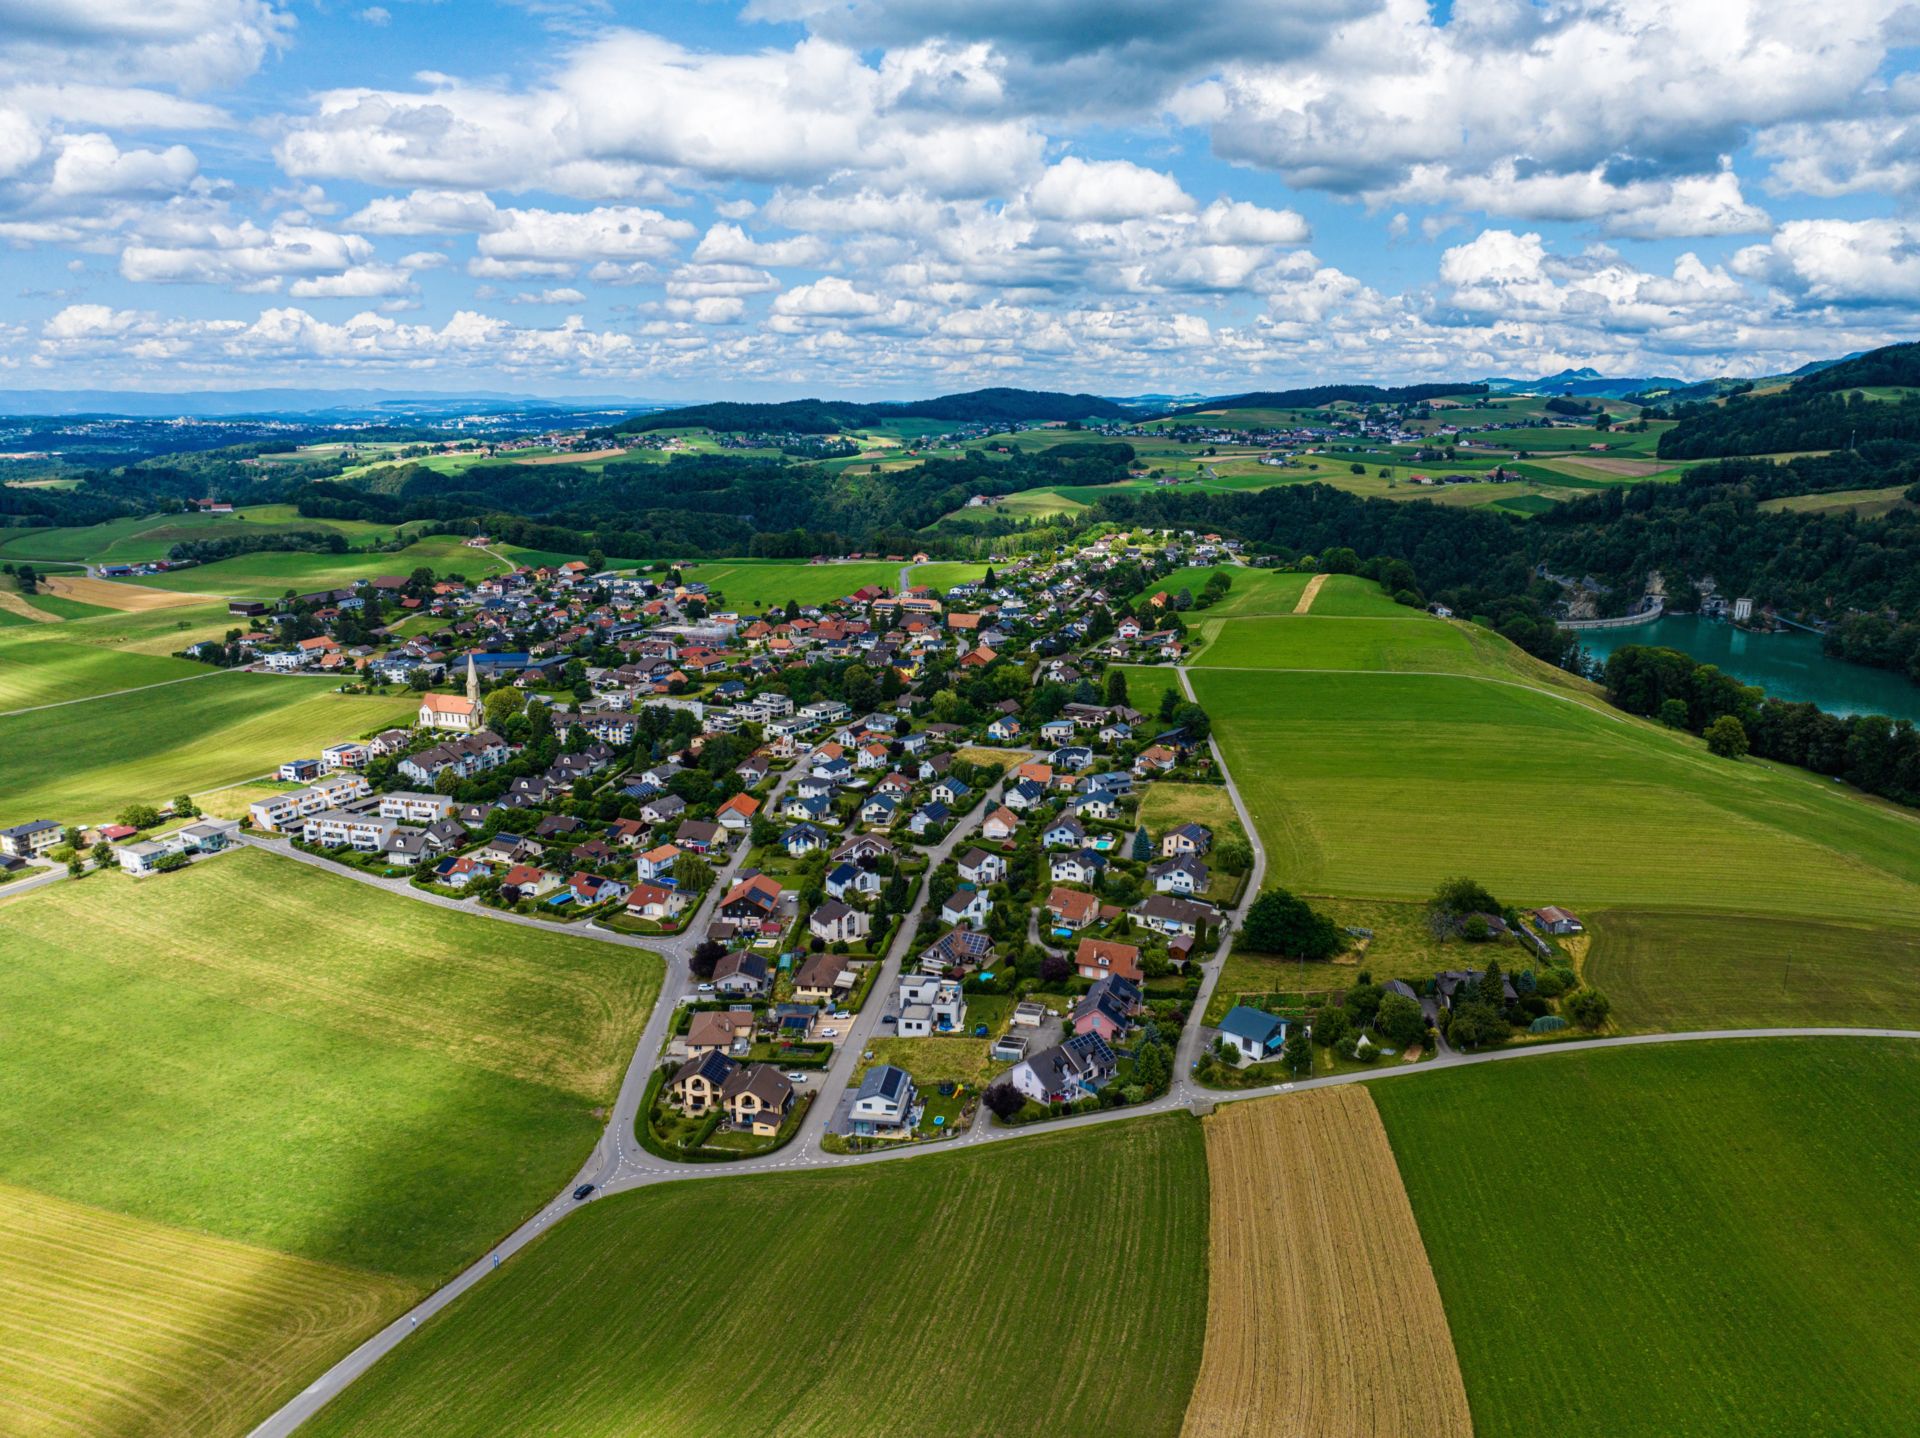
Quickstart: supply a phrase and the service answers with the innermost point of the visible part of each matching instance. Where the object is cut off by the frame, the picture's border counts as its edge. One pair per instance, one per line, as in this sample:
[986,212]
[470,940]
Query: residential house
[1072,908]
[737,813]
[742,974]
[838,923]
[966,905]
[822,977]
[928,817]
[282,813]
[32,839]
[1166,914]
[1184,875]
[1097,958]
[1186,839]
[415,808]
[1252,1033]
[1001,824]
[656,865]
[757,1098]
[726,1031]
[697,836]
[887,1105]
[656,903]
[930,1005]
[591,889]
[337,828]
[1066,1072]
[850,881]
[1064,833]
[980,868]
[1449,984]
[695,1087]
[803,839]
[754,896]
[1083,866]
[524,881]
[957,949]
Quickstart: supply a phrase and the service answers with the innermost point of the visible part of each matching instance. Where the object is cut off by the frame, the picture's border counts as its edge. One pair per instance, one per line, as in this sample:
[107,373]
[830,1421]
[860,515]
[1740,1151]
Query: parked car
[582,1192]
[889,1018]
[829,1033]
[796,1076]
[706,988]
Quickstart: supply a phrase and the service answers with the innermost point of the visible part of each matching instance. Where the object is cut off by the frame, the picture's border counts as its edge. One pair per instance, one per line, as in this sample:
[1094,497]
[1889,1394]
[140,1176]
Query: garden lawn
[1703,1238]
[946,1296]
[89,761]
[1676,970]
[1146,683]
[1380,786]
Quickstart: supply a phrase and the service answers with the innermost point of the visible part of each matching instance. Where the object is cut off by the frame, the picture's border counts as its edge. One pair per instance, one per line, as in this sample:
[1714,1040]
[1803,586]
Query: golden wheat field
[1323,1320]
[116,1325]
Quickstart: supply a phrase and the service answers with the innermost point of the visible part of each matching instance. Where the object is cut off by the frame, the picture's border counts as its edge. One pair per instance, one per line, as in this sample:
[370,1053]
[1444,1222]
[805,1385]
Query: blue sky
[899,197]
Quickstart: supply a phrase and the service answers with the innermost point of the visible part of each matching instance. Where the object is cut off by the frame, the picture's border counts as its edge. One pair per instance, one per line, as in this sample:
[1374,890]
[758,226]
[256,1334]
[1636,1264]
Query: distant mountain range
[1589,383]
[334,403]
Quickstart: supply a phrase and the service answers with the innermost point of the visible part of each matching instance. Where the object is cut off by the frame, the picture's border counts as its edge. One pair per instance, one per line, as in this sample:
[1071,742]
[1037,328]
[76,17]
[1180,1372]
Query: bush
[1004,1100]
[1587,1007]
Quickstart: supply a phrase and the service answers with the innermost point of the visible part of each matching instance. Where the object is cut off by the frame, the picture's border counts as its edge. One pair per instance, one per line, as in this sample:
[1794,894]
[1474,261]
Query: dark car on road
[582,1191]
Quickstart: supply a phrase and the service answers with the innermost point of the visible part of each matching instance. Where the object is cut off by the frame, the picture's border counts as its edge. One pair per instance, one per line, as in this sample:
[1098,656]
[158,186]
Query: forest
[814,416]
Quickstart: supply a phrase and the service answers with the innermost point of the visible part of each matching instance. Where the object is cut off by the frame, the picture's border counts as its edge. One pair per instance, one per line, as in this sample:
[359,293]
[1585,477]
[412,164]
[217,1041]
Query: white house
[930,1005]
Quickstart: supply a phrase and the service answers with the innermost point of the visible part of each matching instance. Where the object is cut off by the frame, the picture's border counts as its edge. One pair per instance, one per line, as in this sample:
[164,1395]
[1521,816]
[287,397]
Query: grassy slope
[986,1290]
[1682,1240]
[390,1100]
[271,573]
[149,537]
[158,631]
[49,671]
[1379,786]
[755,584]
[91,760]
[1690,971]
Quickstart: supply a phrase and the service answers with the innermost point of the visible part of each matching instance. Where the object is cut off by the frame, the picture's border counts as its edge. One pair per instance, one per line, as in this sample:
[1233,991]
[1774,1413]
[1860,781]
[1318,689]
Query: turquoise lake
[1788,666]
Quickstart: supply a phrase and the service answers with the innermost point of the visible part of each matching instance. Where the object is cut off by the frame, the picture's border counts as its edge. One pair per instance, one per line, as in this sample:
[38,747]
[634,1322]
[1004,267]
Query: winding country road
[618,1164]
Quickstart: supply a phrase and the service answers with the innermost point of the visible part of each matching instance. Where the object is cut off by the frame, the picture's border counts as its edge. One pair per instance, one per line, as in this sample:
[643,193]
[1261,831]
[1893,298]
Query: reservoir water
[1788,665]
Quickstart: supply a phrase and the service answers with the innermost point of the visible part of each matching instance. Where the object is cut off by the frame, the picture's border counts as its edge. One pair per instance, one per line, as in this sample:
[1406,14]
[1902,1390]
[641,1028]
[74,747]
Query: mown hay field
[1699,1238]
[89,761]
[1381,785]
[113,594]
[1675,970]
[260,1107]
[51,671]
[951,1296]
[111,1325]
[1323,1320]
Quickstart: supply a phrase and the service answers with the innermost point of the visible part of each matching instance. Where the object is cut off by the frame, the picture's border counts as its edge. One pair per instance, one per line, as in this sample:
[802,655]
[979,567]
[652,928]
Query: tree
[1400,1021]
[1151,1069]
[1587,1007]
[1279,922]
[1116,686]
[185,808]
[1142,850]
[1727,738]
[1673,713]
[1004,1100]
[1331,1027]
[692,874]
[1297,1052]
[76,866]
[140,816]
[1463,896]
[1233,856]
[1475,1024]
[706,955]
[502,704]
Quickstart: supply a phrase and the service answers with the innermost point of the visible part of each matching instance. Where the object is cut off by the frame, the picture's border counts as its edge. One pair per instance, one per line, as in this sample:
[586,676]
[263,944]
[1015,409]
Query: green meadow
[271,573]
[952,1296]
[1698,1239]
[51,670]
[1673,970]
[88,761]
[144,538]
[363,1115]
[754,584]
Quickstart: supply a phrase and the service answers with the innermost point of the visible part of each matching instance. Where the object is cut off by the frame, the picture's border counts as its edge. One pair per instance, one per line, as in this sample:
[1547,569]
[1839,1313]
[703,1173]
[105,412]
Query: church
[452,711]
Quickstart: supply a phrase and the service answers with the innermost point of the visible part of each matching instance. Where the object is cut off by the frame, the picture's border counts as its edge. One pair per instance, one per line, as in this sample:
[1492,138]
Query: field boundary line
[117,693]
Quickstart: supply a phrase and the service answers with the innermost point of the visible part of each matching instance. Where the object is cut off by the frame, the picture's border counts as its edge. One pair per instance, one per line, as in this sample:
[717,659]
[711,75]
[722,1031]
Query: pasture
[1321,640]
[286,1139]
[756,584]
[1702,1238]
[88,761]
[1677,970]
[1146,683]
[144,538]
[1323,1320]
[1861,503]
[271,573]
[950,1296]
[51,671]
[1378,786]
[160,631]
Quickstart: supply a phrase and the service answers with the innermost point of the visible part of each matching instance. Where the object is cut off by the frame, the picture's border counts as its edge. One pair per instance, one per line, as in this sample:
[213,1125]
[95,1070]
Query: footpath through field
[1310,593]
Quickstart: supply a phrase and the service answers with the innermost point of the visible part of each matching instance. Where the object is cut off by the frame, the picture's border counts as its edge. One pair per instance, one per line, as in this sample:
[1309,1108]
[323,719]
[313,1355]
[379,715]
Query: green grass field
[1146,683]
[149,537]
[1381,785]
[1701,1239]
[1678,970]
[753,584]
[271,573]
[183,1054]
[1862,503]
[49,671]
[89,761]
[1367,643]
[956,1296]
[153,631]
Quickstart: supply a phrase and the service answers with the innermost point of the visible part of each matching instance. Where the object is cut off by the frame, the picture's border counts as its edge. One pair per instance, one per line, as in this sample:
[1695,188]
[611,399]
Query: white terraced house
[359,831]
[416,808]
[280,813]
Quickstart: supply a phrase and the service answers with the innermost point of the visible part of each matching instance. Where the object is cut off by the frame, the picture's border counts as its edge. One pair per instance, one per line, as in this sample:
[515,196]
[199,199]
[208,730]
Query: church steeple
[473,683]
